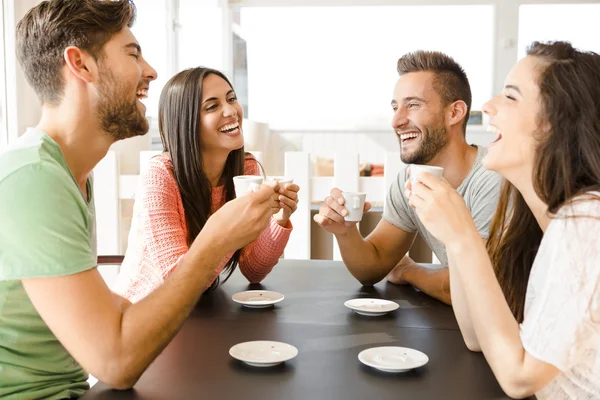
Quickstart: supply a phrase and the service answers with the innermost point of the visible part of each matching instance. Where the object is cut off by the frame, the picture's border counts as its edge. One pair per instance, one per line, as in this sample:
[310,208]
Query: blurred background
[320,66]
[314,76]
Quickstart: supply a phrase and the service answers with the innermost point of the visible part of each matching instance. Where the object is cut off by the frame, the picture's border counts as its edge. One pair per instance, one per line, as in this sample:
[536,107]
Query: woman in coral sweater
[200,123]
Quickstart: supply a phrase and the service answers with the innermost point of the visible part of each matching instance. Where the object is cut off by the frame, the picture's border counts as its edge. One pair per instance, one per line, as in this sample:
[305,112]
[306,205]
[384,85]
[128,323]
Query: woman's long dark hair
[179,126]
[566,165]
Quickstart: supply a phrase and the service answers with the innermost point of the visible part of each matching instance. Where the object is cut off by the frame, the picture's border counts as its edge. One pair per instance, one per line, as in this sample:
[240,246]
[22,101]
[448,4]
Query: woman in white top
[533,304]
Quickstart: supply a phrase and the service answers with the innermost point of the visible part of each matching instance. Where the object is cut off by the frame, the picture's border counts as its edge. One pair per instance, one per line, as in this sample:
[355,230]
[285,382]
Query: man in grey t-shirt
[431,103]
[479,190]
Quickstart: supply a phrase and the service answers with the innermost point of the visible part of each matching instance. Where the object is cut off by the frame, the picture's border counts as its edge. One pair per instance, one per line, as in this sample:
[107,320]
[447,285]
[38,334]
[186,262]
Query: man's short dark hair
[450,81]
[50,27]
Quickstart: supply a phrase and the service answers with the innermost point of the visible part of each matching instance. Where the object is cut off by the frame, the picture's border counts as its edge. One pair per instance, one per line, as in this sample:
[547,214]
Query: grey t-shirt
[480,190]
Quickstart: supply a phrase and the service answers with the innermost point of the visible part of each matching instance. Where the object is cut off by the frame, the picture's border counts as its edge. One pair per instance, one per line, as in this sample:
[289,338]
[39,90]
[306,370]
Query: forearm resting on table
[109,337]
[433,282]
[362,258]
[163,311]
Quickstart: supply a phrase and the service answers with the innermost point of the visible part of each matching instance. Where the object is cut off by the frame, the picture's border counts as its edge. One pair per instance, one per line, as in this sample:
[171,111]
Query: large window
[335,67]
[576,23]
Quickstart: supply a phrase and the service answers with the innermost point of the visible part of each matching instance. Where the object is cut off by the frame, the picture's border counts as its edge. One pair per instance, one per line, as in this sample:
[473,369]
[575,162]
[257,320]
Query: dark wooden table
[329,336]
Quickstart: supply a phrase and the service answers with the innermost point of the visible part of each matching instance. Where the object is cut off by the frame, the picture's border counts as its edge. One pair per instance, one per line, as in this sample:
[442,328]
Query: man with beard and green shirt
[58,318]
[431,106]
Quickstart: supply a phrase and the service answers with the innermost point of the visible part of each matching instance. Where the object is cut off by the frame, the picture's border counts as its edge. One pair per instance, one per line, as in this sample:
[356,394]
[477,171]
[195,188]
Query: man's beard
[433,140]
[119,117]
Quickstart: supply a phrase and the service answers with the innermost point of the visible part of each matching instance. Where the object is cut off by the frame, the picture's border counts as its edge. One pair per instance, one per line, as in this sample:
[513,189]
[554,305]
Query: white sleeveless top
[561,323]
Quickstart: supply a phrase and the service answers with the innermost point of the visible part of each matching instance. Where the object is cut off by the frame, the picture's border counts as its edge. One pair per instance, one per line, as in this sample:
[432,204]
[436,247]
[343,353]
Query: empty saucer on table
[263,353]
[257,298]
[371,307]
[393,359]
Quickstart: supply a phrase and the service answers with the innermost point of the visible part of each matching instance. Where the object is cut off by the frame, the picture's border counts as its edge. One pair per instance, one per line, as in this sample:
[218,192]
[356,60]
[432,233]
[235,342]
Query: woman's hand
[288,201]
[441,209]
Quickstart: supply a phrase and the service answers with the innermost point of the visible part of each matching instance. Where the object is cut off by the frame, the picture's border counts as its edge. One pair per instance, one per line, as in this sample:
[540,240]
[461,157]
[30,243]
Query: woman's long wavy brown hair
[179,126]
[567,161]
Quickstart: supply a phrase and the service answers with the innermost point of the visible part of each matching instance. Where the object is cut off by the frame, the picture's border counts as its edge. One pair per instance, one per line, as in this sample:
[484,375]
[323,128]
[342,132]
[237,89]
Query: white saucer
[263,353]
[392,359]
[371,307]
[257,298]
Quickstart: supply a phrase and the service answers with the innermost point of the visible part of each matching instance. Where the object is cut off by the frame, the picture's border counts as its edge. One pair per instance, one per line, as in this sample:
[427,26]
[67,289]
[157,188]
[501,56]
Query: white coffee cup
[282,180]
[246,183]
[417,169]
[354,203]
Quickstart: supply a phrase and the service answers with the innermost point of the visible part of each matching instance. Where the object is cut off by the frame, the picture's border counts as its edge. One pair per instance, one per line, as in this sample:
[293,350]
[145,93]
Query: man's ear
[80,63]
[457,112]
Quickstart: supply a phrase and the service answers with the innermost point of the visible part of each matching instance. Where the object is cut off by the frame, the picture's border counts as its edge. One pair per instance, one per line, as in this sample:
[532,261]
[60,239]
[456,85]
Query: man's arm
[116,341]
[433,282]
[112,340]
[370,259]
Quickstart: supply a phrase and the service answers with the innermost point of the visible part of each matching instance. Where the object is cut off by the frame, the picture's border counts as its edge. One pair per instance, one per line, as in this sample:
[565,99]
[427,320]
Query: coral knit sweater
[158,235]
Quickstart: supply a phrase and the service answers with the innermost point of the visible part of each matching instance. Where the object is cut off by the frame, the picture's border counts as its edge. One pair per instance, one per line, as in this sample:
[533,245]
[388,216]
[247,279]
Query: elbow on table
[446,298]
[365,279]
[473,345]
[120,384]
[517,390]
[517,385]
[252,277]
[367,282]
[255,280]
[118,375]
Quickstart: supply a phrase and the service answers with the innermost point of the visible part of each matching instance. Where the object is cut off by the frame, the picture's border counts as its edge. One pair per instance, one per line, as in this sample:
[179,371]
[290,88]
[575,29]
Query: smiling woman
[200,123]
[221,117]
[534,296]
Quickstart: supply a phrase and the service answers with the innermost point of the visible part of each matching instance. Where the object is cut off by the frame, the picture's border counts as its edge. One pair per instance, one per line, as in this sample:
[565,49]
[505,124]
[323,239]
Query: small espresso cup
[417,169]
[282,180]
[246,183]
[354,203]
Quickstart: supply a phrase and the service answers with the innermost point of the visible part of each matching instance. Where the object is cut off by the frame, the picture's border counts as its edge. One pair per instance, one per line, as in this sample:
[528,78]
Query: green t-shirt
[47,229]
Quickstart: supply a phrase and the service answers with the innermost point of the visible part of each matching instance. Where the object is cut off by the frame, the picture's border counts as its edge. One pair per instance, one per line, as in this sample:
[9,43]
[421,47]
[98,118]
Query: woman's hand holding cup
[286,198]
